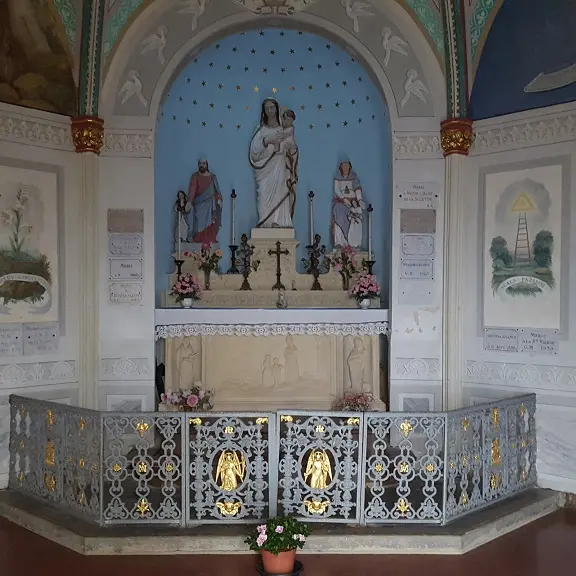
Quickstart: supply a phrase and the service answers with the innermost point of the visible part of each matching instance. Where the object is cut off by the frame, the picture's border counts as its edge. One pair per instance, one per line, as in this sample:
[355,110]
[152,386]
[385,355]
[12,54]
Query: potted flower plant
[351,402]
[187,290]
[208,261]
[196,399]
[277,542]
[365,288]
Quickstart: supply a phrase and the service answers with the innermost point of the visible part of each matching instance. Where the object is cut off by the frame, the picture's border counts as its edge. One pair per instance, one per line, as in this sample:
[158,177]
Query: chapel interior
[305,258]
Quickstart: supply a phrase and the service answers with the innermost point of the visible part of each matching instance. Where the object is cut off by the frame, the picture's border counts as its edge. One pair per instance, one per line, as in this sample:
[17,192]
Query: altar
[268,359]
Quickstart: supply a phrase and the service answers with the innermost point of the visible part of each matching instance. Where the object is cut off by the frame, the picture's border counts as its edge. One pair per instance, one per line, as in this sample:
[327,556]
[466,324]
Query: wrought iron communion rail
[194,468]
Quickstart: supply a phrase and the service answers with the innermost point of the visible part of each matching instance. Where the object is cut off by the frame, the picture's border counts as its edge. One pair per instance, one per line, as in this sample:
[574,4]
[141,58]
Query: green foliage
[278,535]
[542,248]
[499,251]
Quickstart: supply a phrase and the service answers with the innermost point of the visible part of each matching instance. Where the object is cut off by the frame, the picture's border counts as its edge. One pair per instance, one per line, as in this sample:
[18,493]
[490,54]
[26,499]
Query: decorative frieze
[37,373]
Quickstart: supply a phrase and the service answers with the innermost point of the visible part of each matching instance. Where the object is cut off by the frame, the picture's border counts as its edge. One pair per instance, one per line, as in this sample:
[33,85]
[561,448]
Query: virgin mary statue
[274,180]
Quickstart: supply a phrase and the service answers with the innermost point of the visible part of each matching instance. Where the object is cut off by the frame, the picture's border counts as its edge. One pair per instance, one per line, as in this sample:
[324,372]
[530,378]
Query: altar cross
[278,252]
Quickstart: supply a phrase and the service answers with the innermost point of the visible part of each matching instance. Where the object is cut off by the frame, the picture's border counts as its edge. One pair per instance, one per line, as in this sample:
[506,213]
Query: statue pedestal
[273,359]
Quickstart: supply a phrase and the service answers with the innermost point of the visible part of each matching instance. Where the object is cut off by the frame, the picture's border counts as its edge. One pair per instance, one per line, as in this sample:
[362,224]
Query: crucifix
[278,252]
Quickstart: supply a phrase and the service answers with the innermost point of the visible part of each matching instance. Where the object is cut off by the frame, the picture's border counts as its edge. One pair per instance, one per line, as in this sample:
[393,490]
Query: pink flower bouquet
[196,399]
[366,286]
[354,403]
[186,287]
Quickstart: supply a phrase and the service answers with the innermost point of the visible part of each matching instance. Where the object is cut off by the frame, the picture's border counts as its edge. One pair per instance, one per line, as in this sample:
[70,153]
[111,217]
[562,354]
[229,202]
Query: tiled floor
[545,548]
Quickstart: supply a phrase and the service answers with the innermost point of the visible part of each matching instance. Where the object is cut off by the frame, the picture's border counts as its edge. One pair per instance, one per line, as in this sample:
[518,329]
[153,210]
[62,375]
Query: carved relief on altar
[183,362]
[271,368]
[358,370]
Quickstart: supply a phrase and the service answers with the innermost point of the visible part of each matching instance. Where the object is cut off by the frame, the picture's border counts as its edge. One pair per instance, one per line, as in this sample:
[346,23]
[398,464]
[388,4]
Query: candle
[311,196]
[370,210]
[233,196]
[179,234]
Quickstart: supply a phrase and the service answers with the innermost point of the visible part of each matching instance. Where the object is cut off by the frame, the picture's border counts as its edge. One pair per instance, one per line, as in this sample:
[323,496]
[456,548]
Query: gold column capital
[88,134]
[456,136]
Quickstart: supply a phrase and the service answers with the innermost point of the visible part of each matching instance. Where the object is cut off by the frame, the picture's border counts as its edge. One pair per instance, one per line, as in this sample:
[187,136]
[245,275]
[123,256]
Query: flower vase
[187,302]
[207,279]
[364,303]
[282,563]
[345,281]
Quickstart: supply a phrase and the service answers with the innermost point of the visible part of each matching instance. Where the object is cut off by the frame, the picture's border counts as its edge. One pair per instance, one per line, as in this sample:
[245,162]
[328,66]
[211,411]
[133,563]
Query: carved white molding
[521,375]
[280,7]
[524,132]
[180,330]
[119,369]
[34,130]
[416,369]
[136,144]
[37,373]
[415,145]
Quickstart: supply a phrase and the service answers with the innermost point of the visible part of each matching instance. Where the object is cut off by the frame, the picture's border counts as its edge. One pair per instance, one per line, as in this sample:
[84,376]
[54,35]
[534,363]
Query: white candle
[370,232]
[179,234]
[233,196]
[311,196]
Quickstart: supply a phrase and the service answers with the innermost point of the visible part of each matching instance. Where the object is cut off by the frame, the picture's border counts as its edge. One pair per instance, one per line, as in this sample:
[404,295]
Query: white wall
[127,330]
[42,141]
[526,138]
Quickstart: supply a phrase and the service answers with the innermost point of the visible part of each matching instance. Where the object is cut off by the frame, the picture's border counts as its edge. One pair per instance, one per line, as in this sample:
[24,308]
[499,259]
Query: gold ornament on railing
[231,470]
[88,134]
[318,470]
[495,452]
[456,136]
[316,506]
[229,508]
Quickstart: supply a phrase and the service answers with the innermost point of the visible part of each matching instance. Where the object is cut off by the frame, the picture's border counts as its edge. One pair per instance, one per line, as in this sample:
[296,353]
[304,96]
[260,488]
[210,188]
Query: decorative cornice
[182,330]
[417,145]
[37,373]
[456,136]
[88,134]
[521,375]
[138,144]
[416,369]
[524,133]
[122,369]
[34,131]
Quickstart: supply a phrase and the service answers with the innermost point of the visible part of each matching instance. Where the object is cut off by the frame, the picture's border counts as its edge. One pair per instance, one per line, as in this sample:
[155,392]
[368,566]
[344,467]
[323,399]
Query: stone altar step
[459,537]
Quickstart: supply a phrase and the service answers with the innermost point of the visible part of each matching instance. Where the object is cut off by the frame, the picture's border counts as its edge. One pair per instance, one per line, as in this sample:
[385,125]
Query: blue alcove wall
[528,37]
[213,108]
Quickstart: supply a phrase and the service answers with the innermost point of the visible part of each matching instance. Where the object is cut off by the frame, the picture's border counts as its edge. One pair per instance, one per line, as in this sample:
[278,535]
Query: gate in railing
[194,468]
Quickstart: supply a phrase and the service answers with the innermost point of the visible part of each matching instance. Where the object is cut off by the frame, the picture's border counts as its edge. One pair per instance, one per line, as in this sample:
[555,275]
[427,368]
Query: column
[456,139]
[88,137]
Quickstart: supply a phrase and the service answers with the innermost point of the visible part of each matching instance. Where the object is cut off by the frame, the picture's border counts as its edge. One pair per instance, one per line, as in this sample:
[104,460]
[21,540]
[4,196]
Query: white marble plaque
[125,245]
[501,339]
[126,269]
[411,293]
[539,341]
[11,343]
[418,245]
[417,269]
[126,293]
[417,195]
[41,338]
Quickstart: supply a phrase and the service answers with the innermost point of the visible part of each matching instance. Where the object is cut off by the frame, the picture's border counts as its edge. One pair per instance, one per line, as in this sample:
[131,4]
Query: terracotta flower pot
[283,563]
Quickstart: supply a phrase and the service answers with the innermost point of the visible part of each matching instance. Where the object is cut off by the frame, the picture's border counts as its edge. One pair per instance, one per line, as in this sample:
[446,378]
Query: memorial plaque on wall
[501,339]
[417,195]
[411,293]
[125,245]
[41,338]
[418,244]
[125,293]
[11,343]
[539,341]
[417,269]
[126,221]
[416,221]
[126,269]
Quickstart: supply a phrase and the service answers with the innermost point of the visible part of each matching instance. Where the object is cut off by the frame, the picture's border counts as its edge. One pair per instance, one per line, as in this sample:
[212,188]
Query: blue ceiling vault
[529,59]
[213,108]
